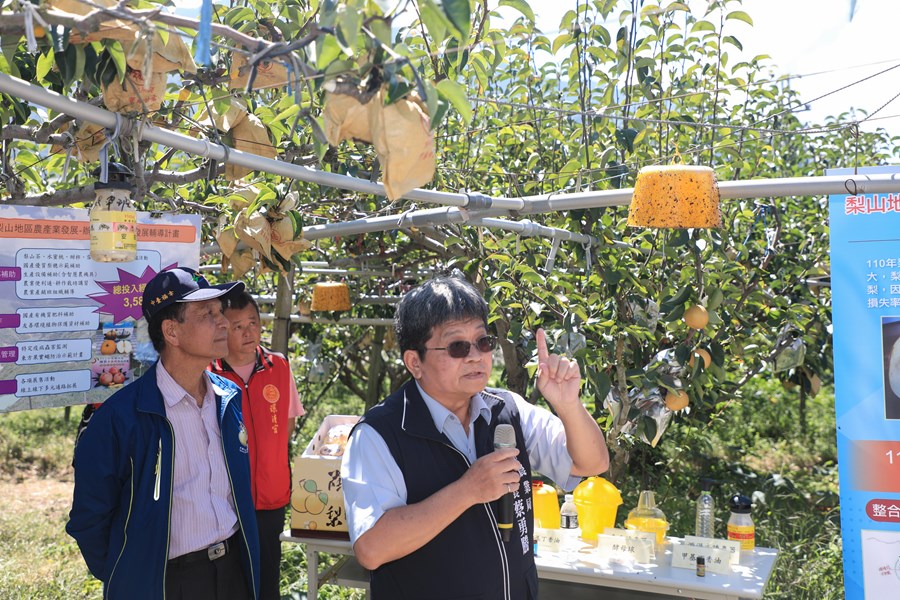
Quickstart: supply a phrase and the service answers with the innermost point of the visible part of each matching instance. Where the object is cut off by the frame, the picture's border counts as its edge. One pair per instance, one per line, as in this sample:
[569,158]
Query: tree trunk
[618,461]
[376,367]
[284,306]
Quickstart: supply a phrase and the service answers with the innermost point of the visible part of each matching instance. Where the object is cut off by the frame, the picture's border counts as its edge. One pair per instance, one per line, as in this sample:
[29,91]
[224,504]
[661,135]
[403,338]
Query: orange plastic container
[597,501]
[546,505]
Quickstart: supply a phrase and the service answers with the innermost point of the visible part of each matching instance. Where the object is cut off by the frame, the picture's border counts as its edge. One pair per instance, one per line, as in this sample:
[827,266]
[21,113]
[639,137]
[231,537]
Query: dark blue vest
[467,560]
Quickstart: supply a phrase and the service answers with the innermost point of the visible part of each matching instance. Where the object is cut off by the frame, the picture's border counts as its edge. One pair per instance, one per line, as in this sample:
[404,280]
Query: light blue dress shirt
[373,483]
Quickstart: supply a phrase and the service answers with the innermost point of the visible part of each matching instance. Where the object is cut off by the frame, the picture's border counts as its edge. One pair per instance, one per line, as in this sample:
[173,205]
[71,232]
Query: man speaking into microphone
[437,478]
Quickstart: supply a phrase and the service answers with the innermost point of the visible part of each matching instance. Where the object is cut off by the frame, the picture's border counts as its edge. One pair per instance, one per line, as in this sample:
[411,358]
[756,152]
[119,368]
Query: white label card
[647,535]
[624,547]
[734,548]
[685,556]
[548,540]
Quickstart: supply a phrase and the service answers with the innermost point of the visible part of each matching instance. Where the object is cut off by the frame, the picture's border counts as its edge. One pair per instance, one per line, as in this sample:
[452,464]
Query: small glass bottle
[740,524]
[704,523]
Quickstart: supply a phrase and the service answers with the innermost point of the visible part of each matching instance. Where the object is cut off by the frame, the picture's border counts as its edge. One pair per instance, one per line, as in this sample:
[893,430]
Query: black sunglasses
[461,349]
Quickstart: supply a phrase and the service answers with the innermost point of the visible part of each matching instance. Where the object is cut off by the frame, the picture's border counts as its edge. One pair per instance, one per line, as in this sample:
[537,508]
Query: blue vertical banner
[865,284]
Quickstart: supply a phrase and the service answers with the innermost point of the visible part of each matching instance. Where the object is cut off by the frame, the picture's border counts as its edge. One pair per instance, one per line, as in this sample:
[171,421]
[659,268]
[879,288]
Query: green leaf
[730,39]
[457,12]
[740,16]
[44,64]
[238,16]
[79,63]
[288,112]
[328,51]
[714,299]
[703,26]
[498,44]
[435,21]
[347,31]
[521,6]
[381,30]
[560,41]
[431,103]
[455,94]
[602,384]
[117,53]
[8,63]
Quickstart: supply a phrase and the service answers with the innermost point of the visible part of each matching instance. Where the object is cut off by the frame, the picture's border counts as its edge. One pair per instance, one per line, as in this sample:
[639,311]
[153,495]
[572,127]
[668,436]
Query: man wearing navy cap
[162,505]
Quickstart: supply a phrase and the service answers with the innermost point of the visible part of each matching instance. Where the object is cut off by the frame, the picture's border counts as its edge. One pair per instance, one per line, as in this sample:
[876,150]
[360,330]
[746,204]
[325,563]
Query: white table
[746,580]
[582,578]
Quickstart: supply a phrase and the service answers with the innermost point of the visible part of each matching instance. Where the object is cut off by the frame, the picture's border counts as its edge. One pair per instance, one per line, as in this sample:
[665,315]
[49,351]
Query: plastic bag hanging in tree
[790,349]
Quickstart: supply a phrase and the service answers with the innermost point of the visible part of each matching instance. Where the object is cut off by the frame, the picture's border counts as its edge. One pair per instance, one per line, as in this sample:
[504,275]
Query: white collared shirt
[373,483]
[203,511]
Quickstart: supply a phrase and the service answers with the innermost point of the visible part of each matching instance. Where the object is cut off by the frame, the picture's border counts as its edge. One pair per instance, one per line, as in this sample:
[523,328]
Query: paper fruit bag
[401,133]
[345,118]
[129,95]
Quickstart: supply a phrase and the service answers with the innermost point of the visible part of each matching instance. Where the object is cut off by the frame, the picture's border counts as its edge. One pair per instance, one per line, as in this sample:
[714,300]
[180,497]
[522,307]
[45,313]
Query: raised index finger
[543,353]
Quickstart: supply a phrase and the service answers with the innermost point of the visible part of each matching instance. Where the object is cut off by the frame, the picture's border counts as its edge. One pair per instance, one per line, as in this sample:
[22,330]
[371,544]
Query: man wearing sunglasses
[420,473]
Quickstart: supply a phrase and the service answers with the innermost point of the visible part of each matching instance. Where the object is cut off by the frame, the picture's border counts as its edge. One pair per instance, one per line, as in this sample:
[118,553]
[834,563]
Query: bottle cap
[569,497]
[701,560]
[740,504]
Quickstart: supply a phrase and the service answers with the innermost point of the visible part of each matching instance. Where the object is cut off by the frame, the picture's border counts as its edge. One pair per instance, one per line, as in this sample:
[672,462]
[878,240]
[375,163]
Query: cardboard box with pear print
[317,498]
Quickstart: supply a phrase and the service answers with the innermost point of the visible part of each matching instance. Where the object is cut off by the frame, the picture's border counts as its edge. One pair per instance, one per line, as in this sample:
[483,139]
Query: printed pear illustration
[312,500]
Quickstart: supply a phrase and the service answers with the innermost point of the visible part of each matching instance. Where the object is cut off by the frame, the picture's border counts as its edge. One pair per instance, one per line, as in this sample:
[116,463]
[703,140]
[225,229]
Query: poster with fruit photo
[865,291]
[71,328]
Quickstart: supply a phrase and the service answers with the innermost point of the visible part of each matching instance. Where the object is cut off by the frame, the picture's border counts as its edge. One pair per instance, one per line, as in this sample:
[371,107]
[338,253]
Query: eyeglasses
[461,349]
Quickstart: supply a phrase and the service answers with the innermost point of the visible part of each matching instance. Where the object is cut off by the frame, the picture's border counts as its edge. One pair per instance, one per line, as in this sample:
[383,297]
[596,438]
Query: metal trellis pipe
[454,209]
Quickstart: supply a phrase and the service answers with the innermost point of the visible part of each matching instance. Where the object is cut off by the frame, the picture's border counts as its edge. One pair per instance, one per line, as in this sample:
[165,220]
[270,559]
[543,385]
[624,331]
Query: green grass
[754,445]
[37,559]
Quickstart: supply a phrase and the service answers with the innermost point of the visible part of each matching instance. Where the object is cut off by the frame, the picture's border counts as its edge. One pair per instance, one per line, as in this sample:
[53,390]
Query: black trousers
[270,524]
[221,579]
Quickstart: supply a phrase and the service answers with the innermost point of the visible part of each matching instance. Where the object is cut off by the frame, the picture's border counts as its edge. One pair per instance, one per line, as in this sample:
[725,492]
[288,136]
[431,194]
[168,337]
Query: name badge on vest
[242,438]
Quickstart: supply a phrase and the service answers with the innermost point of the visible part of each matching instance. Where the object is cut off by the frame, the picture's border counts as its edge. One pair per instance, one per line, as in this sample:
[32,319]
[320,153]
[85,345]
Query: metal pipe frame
[473,208]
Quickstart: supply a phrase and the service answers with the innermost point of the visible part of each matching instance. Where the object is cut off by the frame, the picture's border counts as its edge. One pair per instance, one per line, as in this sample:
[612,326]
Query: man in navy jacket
[162,505]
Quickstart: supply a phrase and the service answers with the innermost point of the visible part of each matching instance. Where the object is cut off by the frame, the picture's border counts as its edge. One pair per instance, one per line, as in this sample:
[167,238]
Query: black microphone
[505,437]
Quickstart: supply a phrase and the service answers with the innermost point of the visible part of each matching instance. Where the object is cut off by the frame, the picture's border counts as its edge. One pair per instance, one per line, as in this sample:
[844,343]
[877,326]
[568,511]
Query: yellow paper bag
[250,135]
[401,133]
[89,138]
[130,96]
[269,73]
[345,118]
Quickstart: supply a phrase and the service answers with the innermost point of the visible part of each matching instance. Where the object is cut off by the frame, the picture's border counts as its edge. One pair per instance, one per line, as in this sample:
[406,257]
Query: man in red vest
[270,406]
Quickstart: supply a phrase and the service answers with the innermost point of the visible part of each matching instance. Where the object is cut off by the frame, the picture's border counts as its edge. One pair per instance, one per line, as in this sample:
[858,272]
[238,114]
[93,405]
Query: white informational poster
[71,328]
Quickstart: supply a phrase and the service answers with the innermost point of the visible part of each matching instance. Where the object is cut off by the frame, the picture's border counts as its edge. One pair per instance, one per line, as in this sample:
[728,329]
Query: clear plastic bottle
[569,532]
[705,522]
[568,514]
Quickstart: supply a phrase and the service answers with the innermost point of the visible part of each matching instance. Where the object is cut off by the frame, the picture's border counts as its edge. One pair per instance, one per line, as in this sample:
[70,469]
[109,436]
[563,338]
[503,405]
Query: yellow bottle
[647,517]
[546,505]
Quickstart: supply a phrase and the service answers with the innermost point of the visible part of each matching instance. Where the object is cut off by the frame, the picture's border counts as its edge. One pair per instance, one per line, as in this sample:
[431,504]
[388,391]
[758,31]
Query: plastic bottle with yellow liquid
[646,516]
